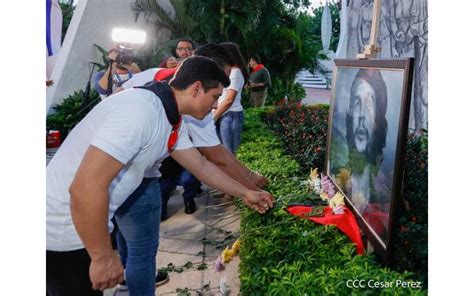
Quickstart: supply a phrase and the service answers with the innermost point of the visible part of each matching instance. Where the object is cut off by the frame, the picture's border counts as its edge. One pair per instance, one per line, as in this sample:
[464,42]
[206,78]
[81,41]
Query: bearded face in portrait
[366,124]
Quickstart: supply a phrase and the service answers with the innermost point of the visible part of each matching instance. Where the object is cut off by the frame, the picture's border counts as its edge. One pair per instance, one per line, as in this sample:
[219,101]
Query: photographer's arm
[104,80]
[133,68]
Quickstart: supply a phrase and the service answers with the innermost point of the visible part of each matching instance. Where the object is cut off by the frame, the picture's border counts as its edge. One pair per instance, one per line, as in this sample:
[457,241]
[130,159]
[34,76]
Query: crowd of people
[174,125]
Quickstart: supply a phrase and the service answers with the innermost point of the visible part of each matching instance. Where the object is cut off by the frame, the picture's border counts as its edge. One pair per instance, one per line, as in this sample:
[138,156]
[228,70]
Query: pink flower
[218,264]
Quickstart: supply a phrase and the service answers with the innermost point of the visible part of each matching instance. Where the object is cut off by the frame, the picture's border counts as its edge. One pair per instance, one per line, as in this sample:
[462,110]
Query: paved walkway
[317,96]
[198,238]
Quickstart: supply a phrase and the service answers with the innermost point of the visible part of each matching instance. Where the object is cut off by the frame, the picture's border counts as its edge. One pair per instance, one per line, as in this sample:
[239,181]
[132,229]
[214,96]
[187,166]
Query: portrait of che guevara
[363,140]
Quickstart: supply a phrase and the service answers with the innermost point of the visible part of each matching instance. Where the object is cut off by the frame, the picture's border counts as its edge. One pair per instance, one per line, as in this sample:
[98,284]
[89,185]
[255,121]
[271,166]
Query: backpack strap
[163,91]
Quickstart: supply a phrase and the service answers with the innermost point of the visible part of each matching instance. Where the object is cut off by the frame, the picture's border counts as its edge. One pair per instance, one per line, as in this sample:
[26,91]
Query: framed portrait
[368,125]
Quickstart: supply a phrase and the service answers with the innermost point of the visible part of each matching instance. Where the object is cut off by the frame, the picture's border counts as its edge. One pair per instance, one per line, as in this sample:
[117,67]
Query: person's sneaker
[162,278]
[189,206]
[122,286]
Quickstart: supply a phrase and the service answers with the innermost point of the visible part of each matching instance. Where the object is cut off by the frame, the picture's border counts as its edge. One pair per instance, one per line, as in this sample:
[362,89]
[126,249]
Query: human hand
[171,62]
[258,179]
[260,201]
[133,67]
[113,53]
[106,271]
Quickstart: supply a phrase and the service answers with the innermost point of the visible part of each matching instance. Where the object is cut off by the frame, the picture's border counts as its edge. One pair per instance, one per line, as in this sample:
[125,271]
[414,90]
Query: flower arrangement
[326,191]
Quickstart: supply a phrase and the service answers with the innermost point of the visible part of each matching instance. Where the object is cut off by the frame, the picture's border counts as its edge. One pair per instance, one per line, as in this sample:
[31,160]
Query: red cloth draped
[162,74]
[257,68]
[346,222]
[375,216]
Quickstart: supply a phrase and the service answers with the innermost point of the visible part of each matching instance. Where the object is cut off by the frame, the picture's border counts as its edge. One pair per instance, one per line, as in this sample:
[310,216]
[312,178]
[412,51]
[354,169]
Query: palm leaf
[153,13]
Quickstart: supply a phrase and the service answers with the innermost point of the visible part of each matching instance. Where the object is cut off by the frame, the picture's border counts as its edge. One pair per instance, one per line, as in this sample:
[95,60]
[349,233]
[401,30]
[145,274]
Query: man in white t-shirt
[104,159]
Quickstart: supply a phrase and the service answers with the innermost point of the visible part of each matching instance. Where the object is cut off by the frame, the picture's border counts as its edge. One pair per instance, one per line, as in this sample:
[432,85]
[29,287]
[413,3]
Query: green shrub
[411,247]
[303,132]
[286,255]
[71,111]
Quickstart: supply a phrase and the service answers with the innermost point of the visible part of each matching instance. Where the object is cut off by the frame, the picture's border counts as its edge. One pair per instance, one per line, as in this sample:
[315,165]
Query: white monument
[326,35]
[92,23]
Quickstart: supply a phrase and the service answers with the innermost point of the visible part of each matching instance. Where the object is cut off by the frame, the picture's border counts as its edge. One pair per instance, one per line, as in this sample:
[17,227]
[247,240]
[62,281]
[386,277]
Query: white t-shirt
[202,132]
[237,82]
[141,78]
[132,127]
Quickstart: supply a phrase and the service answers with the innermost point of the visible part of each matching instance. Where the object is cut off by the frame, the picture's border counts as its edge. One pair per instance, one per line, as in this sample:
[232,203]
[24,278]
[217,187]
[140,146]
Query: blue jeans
[138,221]
[229,129]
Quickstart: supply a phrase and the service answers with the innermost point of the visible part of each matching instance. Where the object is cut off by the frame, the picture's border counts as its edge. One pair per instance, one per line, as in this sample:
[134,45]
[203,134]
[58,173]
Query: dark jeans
[173,175]
[67,274]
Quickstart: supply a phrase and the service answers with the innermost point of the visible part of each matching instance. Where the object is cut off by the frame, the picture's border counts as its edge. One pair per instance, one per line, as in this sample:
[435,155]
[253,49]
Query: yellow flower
[324,196]
[336,200]
[236,246]
[314,174]
[227,255]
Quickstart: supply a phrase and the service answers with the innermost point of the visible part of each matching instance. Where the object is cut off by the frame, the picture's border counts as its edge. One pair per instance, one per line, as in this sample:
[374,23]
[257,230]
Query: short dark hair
[185,39]
[256,58]
[199,68]
[216,52]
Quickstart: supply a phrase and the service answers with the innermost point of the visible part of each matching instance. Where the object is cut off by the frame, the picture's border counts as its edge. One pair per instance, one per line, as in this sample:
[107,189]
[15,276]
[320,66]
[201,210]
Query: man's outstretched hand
[260,201]
[258,179]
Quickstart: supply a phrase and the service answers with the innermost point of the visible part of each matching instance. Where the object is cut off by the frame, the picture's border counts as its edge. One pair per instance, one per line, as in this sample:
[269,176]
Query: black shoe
[189,206]
[162,278]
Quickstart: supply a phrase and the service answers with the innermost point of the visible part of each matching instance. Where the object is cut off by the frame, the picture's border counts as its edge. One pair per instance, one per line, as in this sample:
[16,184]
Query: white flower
[224,287]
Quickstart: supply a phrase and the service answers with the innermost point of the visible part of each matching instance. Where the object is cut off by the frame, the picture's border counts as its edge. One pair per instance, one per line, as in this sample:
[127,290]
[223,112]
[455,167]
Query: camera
[124,55]
[125,37]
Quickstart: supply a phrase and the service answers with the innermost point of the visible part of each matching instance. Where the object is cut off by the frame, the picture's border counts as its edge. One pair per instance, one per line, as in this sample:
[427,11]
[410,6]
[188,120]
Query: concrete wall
[403,32]
[93,22]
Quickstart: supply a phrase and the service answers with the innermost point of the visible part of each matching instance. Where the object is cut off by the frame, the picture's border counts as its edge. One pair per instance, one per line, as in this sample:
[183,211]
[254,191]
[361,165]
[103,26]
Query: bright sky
[317,3]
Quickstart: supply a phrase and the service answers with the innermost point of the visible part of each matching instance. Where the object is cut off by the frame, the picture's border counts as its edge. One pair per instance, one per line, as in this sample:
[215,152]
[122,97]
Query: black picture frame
[368,126]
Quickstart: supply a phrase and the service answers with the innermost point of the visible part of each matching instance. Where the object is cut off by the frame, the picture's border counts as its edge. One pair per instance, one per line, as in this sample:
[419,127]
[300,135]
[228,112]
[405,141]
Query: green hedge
[285,255]
[303,132]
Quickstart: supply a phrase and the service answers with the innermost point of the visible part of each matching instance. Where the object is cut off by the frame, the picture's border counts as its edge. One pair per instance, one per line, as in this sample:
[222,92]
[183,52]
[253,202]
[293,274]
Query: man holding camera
[122,67]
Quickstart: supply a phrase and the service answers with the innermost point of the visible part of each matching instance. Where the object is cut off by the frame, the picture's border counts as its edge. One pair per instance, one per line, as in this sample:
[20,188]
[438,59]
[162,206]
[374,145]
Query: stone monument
[402,32]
